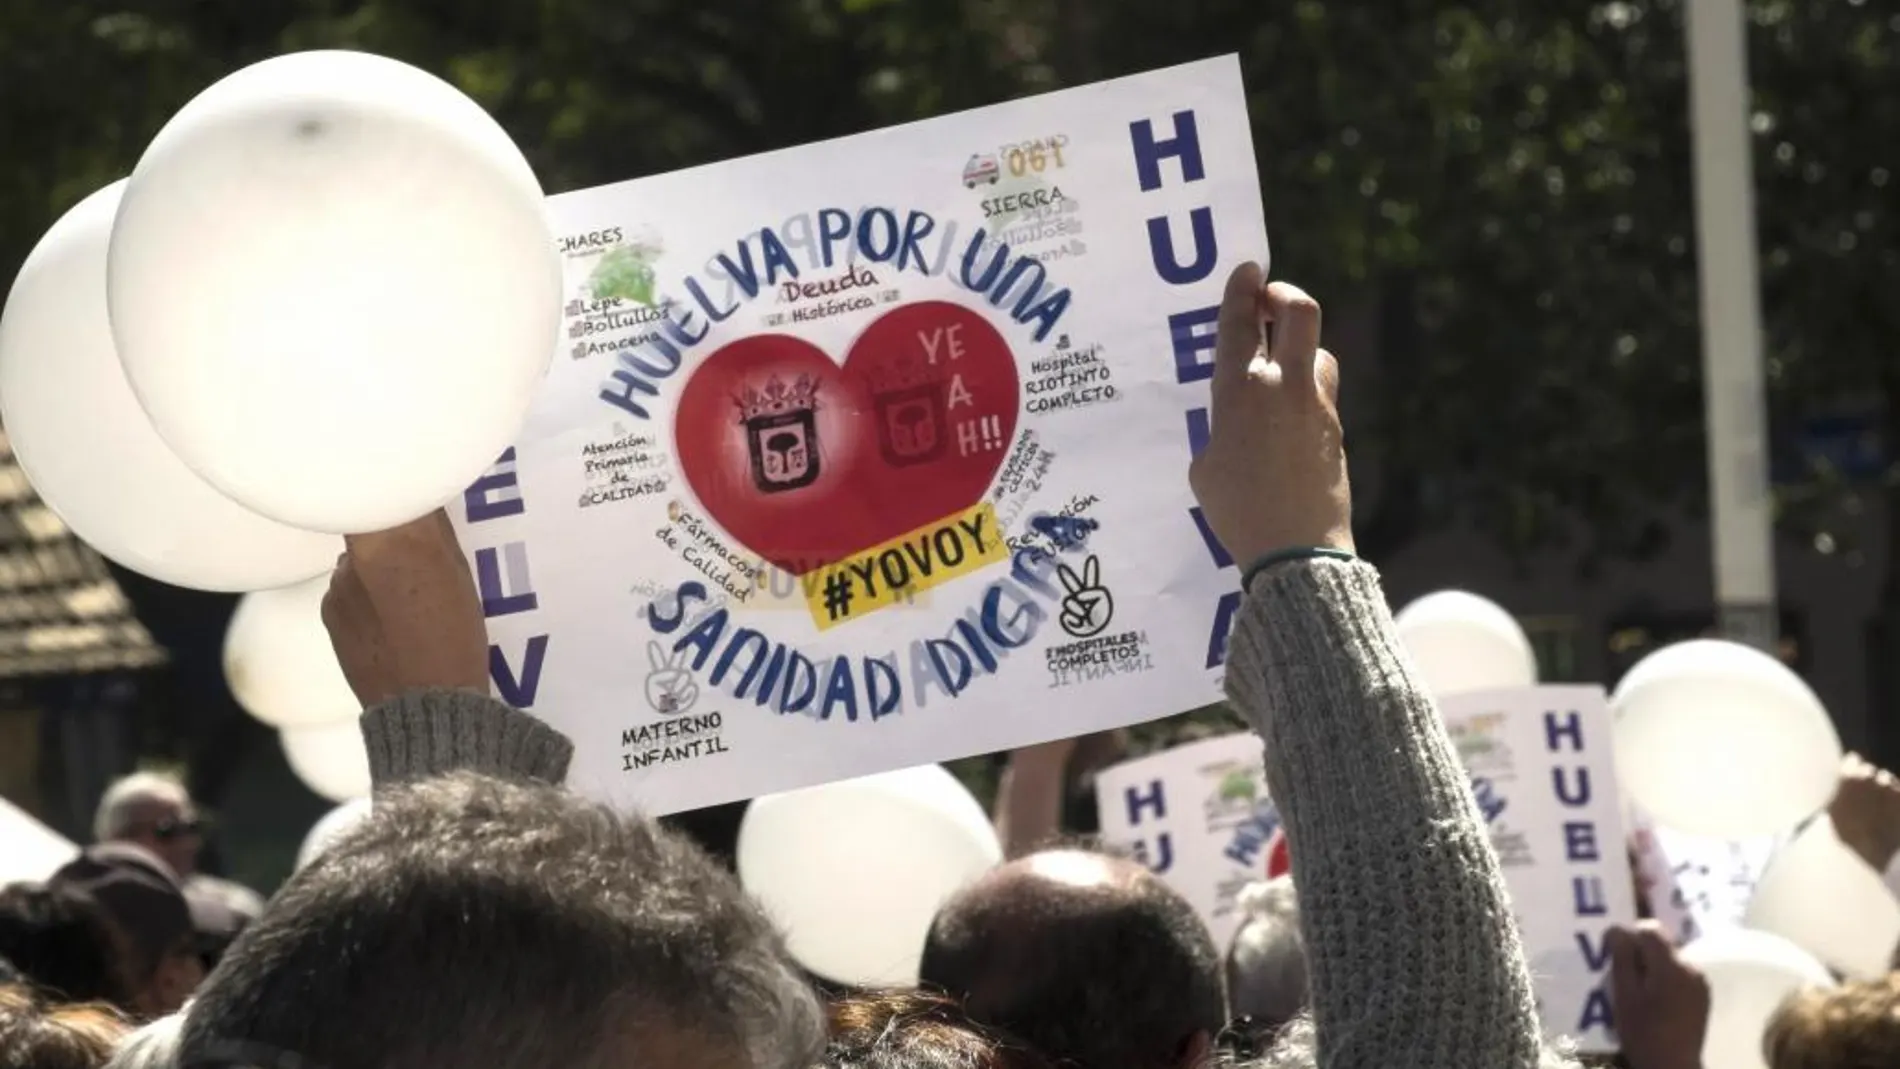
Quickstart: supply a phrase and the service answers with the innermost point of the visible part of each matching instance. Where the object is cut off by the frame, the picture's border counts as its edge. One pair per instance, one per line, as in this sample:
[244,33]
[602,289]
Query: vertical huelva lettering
[518,688]
[1192,331]
[503,580]
[1580,841]
[1161,858]
[496,494]
[1573,793]
[1193,335]
[1224,611]
[1167,260]
[1199,429]
[1564,732]
[1587,895]
[1596,1011]
[1214,548]
[1138,800]
[501,576]
[1184,145]
[1557,731]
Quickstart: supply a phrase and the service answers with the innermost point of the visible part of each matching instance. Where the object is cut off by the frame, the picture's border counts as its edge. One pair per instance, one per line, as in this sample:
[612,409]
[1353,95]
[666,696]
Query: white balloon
[330,759]
[329,827]
[1821,896]
[1750,974]
[853,872]
[279,662]
[1717,738]
[335,289]
[1461,642]
[89,449]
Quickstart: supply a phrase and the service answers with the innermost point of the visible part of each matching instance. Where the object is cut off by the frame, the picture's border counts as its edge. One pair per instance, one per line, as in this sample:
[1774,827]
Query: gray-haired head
[1266,962]
[474,922]
[119,810]
[154,1046]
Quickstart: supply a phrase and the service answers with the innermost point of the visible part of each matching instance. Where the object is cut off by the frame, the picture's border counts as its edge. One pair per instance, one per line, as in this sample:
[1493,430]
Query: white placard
[1541,768]
[29,850]
[872,453]
[1695,884]
[1199,816]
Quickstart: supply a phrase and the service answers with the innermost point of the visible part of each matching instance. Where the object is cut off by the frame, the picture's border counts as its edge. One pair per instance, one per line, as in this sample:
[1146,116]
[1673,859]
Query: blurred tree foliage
[1507,180]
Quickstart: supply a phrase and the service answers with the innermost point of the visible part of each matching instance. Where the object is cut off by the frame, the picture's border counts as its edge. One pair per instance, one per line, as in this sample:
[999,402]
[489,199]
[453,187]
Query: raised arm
[1028,811]
[406,622]
[1414,955]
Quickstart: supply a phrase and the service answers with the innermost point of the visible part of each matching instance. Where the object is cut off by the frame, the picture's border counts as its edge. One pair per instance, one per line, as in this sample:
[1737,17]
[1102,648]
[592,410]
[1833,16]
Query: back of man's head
[1266,962]
[473,922]
[1090,958]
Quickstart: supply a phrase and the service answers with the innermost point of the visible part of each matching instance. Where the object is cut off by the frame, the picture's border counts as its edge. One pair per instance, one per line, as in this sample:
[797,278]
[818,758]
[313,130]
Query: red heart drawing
[806,461]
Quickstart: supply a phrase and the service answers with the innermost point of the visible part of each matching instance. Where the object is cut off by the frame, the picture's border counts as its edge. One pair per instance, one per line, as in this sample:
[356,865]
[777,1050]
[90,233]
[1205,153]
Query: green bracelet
[1282,556]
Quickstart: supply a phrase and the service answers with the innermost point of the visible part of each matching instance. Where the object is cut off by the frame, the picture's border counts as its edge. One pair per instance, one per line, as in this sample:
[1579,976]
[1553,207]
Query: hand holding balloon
[1661,1002]
[403,613]
[1866,812]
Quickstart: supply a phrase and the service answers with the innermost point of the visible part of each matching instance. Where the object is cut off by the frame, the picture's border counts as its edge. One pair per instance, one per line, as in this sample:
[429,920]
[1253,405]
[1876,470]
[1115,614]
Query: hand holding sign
[1273,475]
[1661,1002]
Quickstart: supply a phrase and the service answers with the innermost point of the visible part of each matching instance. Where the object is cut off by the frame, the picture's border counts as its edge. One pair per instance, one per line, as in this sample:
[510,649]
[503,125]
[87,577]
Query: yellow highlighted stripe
[895,572]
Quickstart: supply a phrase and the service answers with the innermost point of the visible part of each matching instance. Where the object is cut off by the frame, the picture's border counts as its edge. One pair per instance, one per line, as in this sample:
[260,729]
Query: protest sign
[1199,816]
[1539,759]
[871,453]
[1696,884]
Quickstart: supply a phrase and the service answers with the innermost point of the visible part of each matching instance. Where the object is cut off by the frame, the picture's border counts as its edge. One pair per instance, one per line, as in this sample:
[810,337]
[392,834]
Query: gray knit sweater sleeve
[428,732]
[1414,955]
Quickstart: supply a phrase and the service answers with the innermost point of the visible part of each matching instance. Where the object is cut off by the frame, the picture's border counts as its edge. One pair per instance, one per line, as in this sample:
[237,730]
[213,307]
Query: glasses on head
[169,828]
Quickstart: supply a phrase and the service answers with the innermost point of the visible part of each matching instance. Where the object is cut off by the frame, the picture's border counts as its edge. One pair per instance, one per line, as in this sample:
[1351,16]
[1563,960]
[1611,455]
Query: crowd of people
[483,916]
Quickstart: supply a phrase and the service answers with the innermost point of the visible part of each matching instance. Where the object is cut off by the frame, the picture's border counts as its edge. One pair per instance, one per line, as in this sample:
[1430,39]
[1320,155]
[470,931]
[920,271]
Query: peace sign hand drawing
[1088,606]
[671,688]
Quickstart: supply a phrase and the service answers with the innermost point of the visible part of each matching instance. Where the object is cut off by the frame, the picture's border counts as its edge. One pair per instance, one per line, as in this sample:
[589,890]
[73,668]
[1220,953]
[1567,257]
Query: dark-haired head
[914,1030]
[62,942]
[1090,958]
[475,922]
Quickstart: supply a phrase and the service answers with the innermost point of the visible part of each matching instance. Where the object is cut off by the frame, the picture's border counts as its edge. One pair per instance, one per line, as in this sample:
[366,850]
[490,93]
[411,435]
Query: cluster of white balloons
[1715,739]
[282,669]
[1721,740]
[319,306]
